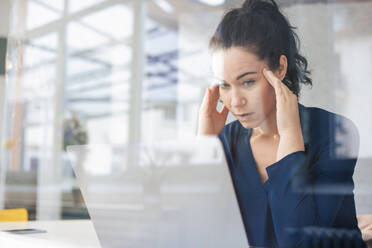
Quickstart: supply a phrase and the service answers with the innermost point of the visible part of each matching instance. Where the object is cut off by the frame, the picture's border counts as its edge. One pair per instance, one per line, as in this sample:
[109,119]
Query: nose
[237,99]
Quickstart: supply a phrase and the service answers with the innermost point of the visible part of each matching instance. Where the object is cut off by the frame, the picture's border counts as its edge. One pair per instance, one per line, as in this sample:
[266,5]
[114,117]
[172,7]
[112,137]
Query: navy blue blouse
[308,199]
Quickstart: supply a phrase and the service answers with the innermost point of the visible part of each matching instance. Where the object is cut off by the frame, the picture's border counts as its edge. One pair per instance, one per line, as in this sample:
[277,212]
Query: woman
[292,177]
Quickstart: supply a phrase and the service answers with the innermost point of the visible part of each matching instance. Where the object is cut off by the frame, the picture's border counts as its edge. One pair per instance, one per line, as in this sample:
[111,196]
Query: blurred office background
[119,71]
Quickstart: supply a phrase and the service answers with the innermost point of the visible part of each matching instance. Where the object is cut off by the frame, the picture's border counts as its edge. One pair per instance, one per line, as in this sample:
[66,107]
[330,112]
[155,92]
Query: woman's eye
[223,85]
[248,82]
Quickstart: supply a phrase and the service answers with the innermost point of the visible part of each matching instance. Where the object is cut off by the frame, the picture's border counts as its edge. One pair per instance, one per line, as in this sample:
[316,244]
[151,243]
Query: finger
[283,86]
[205,97]
[224,111]
[209,104]
[214,96]
[271,78]
[215,92]
[274,81]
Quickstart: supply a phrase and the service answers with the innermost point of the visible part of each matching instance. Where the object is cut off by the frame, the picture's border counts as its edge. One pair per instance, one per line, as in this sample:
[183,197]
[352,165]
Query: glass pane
[93,67]
[98,74]
[39,14]
[32,99]
[30,118]
[177,68]
[83,37]
[41,51]
[80,5]
[57,5]
[161,82]
[114,21]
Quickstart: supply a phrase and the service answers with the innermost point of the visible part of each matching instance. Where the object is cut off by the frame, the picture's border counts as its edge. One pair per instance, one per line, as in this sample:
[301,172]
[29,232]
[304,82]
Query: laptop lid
[175,193]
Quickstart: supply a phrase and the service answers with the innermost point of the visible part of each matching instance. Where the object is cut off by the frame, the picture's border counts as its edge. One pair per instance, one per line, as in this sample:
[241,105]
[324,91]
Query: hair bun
[252,4]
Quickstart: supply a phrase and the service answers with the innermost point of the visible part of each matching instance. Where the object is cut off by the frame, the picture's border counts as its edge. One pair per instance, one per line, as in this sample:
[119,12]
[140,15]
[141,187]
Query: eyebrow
[240,76]
[245,73]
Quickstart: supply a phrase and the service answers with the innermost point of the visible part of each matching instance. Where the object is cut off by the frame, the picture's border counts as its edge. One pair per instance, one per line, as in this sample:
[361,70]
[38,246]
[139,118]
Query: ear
[283,65]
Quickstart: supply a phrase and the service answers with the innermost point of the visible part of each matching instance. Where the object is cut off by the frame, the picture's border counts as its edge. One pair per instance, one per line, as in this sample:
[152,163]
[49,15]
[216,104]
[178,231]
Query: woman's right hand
[211,121]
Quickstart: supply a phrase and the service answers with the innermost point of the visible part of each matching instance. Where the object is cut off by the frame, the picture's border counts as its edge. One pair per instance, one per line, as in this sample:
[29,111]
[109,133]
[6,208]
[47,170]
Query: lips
[245,116]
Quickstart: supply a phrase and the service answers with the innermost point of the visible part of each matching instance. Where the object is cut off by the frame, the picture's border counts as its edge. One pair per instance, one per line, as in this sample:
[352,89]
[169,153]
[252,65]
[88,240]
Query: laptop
[174,193]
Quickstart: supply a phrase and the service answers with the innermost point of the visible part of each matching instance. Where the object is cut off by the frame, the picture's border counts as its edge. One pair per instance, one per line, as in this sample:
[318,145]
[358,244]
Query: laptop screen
[175,193]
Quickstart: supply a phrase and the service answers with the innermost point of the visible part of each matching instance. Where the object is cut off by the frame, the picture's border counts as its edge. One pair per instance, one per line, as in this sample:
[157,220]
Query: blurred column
[138,64]
[15,140]
[4,29]
[49,190]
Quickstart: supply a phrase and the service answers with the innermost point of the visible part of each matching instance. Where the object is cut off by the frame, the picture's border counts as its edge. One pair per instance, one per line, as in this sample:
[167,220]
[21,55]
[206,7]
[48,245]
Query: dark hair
[260,27]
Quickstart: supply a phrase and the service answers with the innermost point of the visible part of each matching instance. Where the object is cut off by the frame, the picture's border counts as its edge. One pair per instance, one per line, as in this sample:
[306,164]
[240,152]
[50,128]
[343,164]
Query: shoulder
[320,126]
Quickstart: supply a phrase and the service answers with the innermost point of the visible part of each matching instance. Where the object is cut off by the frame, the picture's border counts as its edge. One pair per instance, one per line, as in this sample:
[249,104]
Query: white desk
[60,233]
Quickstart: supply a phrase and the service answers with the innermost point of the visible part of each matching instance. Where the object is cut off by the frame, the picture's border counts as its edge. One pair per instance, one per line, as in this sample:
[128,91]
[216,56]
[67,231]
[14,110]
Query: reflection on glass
[161,83]
[80,5]
[115,22]
[98,72]
[98,75]
[72,75]
[83,37]
[39,14]
[30,117]
[57,5]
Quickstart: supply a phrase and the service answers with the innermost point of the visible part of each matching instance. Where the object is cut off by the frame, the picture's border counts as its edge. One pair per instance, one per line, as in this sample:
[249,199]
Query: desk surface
[60,233]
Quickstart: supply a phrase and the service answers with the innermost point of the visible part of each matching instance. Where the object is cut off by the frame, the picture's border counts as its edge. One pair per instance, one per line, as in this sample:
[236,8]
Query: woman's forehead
[235,61]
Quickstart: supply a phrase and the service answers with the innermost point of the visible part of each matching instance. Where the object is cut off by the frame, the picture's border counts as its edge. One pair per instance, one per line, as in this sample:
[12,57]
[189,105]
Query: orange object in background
[10,215]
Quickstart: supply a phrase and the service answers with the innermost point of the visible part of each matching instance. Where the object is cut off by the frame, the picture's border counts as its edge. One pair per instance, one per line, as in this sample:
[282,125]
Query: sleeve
[312,193]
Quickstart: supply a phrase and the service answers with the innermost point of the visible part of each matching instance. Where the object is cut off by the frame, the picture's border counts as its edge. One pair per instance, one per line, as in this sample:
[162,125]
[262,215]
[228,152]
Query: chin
[249,125]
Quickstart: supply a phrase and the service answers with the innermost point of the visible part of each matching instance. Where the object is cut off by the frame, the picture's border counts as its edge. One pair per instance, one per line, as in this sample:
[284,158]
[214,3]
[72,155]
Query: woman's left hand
[287,117]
